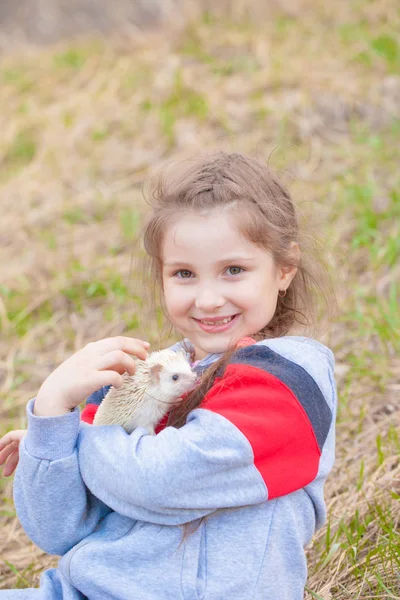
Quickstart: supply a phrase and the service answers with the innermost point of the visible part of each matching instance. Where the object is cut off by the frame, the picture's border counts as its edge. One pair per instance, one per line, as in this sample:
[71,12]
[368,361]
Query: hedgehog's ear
[155,373]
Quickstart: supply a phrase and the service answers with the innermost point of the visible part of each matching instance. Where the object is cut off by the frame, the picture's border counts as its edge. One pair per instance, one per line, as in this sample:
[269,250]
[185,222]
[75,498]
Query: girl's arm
[52,502]
[257,436]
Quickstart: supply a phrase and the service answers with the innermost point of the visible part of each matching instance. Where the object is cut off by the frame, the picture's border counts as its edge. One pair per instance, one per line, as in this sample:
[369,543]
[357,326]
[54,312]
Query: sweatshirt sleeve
[52,502]
[258,435]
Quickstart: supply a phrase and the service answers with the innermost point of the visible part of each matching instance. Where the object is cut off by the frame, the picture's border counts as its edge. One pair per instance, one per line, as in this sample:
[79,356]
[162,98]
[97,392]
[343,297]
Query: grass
[316,92]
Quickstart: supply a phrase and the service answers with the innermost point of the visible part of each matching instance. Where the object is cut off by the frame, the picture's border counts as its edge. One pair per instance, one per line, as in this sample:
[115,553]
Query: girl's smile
[217,324]
[218,285]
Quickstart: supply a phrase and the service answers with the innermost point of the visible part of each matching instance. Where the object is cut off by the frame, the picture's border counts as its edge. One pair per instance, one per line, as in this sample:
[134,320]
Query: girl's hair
[267,217]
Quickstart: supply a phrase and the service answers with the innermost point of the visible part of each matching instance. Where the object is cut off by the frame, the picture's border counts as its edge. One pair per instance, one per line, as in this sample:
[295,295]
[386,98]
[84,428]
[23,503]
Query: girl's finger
[9,449]
[104,378]
[116,360]
[11,464]
[12,436]
[126,344]
[5,440]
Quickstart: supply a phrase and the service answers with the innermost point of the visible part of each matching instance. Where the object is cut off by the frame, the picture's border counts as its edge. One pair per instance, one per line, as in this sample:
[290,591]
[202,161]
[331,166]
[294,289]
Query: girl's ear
[155,373]
[287,273]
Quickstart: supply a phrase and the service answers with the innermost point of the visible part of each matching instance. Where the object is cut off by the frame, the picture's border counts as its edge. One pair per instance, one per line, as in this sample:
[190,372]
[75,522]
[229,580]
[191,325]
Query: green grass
[85,124]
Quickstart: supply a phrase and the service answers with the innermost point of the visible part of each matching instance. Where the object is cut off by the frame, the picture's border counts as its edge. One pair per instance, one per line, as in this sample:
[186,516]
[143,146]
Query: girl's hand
[97,364]
[9,450]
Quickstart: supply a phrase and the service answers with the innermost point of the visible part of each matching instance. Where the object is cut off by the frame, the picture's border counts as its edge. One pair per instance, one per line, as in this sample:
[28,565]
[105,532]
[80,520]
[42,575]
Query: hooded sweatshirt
[252,458]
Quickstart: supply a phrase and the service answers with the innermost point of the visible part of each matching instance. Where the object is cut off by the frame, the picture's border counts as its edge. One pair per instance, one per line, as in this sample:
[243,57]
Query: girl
[221,502]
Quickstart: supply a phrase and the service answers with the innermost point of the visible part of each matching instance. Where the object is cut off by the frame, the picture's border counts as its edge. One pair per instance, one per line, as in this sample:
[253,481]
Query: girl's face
[218,286]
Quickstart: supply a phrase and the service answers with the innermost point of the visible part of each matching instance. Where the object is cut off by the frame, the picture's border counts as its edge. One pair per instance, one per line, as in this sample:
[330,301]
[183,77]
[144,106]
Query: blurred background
[94,97]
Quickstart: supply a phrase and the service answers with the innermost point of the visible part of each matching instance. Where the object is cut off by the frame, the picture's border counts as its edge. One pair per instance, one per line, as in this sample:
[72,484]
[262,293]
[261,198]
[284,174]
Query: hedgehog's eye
[175,377]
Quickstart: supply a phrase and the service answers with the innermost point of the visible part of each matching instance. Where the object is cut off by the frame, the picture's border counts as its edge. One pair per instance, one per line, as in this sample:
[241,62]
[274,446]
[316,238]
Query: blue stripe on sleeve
[97,397]
[297,379]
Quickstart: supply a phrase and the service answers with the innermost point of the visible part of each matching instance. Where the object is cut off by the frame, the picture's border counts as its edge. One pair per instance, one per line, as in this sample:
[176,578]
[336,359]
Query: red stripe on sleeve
[162,424]
[88,413]
[266,411]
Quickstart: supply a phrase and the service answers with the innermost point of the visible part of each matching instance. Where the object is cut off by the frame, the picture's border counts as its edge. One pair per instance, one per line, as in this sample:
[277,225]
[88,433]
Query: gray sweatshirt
[252,459]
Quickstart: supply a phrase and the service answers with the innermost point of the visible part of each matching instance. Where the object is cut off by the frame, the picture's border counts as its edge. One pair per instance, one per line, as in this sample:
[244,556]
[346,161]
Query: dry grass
[312,87]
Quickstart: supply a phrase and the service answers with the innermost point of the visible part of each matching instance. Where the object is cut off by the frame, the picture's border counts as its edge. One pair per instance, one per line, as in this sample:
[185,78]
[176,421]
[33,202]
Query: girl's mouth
[217,325]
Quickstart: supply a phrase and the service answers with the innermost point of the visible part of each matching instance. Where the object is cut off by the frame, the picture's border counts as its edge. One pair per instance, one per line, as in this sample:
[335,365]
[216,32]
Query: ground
[314,89]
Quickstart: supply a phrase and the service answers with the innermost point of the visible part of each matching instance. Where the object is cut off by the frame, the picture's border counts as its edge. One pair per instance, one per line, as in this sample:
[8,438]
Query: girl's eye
[235,270]
[175,377]
[184,274]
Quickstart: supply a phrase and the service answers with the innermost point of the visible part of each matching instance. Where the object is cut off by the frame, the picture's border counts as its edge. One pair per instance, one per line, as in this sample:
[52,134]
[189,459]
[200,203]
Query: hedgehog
[145,397]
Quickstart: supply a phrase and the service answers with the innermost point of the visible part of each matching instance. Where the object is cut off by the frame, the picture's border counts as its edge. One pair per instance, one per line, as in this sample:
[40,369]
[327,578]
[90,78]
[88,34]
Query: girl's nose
[208,300]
